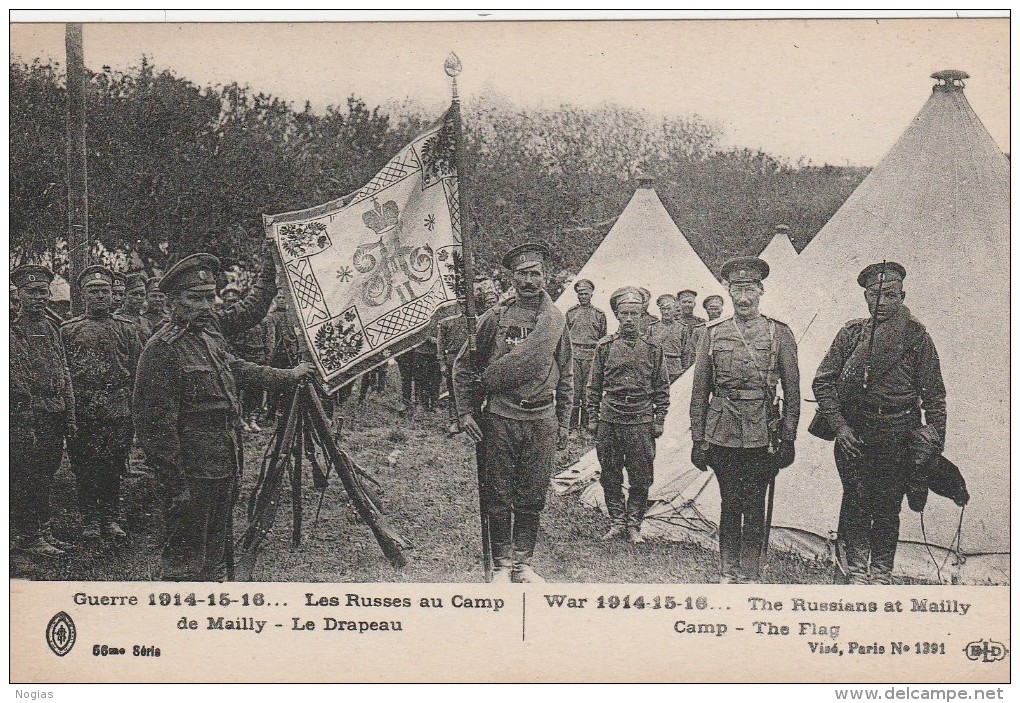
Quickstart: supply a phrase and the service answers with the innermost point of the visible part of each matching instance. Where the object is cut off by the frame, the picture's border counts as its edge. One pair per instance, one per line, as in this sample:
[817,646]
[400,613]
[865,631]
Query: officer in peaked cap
[42,412]
[522,372]
[587,325]
[102,352]
[736,424]
[871,396]
[628,397]
[187,417]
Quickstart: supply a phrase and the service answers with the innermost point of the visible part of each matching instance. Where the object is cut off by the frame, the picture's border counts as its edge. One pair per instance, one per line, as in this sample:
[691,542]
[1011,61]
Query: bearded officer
[587,325]
[872,398]
[187,416]
[628,397]
[522,372]
[41,411]
[738,365]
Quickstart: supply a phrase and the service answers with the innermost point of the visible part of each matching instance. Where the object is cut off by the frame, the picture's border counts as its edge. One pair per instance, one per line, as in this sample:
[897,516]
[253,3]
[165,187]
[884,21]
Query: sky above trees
[836,91]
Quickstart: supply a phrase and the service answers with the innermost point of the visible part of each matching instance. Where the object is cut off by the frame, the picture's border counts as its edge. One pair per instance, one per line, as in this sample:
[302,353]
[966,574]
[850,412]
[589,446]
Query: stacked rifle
[302,433]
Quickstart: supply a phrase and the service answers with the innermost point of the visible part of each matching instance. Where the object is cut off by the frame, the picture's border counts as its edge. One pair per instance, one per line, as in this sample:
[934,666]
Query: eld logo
[985,651]
[60,633]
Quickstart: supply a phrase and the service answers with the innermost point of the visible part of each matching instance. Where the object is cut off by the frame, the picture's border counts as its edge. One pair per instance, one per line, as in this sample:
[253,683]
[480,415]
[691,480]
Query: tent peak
[949,80]
[645,181]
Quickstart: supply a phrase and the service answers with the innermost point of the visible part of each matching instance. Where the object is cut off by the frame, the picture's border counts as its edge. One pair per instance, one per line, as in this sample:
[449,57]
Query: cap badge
[97,275]
[31,277]
[205,276]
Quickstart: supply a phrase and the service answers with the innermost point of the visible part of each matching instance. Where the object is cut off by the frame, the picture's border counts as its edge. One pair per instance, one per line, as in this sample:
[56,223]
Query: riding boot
[500,540]
[617,517]
[525,537]
[637,501]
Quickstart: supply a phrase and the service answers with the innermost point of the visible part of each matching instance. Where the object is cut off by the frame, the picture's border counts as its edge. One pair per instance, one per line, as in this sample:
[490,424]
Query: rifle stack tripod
[302,432]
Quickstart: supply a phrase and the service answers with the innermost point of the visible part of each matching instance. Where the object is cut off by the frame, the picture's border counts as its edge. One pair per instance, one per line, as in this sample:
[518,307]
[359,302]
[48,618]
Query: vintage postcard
[632,350]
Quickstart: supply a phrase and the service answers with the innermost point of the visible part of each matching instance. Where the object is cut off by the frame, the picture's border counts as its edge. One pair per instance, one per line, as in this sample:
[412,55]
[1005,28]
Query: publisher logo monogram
[61,633]
[985,651]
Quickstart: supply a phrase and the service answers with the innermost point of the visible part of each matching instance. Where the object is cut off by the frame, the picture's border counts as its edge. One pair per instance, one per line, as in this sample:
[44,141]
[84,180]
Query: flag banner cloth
[367,272]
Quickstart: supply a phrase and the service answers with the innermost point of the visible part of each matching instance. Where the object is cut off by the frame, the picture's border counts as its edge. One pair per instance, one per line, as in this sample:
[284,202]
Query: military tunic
[674,338]
[187,414]
[586,325]
[905,378]
[729,410]
[102,351]
[520,424]
[628,393]
[41,403]
[695,331]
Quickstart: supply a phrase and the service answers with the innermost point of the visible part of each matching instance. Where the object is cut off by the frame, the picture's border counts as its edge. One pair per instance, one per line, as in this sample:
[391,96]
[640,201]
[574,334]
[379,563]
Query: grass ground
[432,499]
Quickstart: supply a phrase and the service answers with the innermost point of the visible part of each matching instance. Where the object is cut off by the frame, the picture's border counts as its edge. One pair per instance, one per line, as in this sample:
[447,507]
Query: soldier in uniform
[647,318]
[134,299]
[254,344]
[522,372]
[671,335]
[587,325]
[713,305]
[873,399]
[119,289]
[734,424]
[686,302]
[102,352]
[187,416]
[427,373]
[628,397]
[155,304]
[42,411]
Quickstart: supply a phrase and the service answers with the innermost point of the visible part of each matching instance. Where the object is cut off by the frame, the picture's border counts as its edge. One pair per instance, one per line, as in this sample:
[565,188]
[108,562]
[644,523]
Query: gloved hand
[564,434]
[786,454]
[699,456]
[657,430]
[593,425]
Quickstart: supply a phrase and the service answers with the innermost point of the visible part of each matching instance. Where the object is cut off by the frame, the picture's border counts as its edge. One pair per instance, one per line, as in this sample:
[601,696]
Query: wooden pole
[78,244]
[453,69]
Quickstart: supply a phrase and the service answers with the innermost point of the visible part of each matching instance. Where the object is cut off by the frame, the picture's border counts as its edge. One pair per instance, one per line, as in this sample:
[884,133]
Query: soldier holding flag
[515,395]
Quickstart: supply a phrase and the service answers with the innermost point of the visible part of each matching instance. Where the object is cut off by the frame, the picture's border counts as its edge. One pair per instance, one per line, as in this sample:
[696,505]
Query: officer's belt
[740,393]
[583,346]
[630,398]
[525,404]
[886,410]
[672,356]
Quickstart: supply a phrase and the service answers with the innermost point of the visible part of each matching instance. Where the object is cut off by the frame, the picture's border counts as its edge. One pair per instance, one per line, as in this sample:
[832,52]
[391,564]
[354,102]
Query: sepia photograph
[674,302]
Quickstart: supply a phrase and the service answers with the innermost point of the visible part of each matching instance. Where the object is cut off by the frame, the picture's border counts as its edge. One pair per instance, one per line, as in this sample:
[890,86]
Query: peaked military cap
[627,294]
[197,271]
[584,282]
[745,269]
[119,280]
[95,275]
[31,273]
[525,256]
[135,280]
[646,295]
[710,298]
[153,283]
[687,291]
[665,296]
[872,272]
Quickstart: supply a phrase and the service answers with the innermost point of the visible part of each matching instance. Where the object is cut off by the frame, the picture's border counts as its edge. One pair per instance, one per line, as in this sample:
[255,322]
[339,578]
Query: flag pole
[453,67]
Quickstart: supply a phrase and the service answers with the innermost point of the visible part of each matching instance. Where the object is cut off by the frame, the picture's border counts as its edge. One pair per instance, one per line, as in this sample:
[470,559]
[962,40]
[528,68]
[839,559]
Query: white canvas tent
[782,259]
[644,248]
[938,203]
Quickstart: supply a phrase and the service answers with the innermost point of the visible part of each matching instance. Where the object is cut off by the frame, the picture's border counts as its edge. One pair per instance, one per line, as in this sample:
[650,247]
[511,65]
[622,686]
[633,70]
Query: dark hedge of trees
[175,168]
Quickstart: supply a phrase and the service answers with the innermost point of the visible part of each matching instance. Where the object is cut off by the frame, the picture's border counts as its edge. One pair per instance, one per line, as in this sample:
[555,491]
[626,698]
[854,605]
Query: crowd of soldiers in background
[95,355]
[72,379]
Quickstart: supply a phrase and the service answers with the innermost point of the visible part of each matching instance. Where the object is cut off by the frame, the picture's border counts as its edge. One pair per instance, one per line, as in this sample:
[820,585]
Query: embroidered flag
[367,272]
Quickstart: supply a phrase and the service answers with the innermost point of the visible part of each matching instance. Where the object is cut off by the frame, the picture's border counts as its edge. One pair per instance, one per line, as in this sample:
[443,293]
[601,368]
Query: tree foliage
[175,167]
